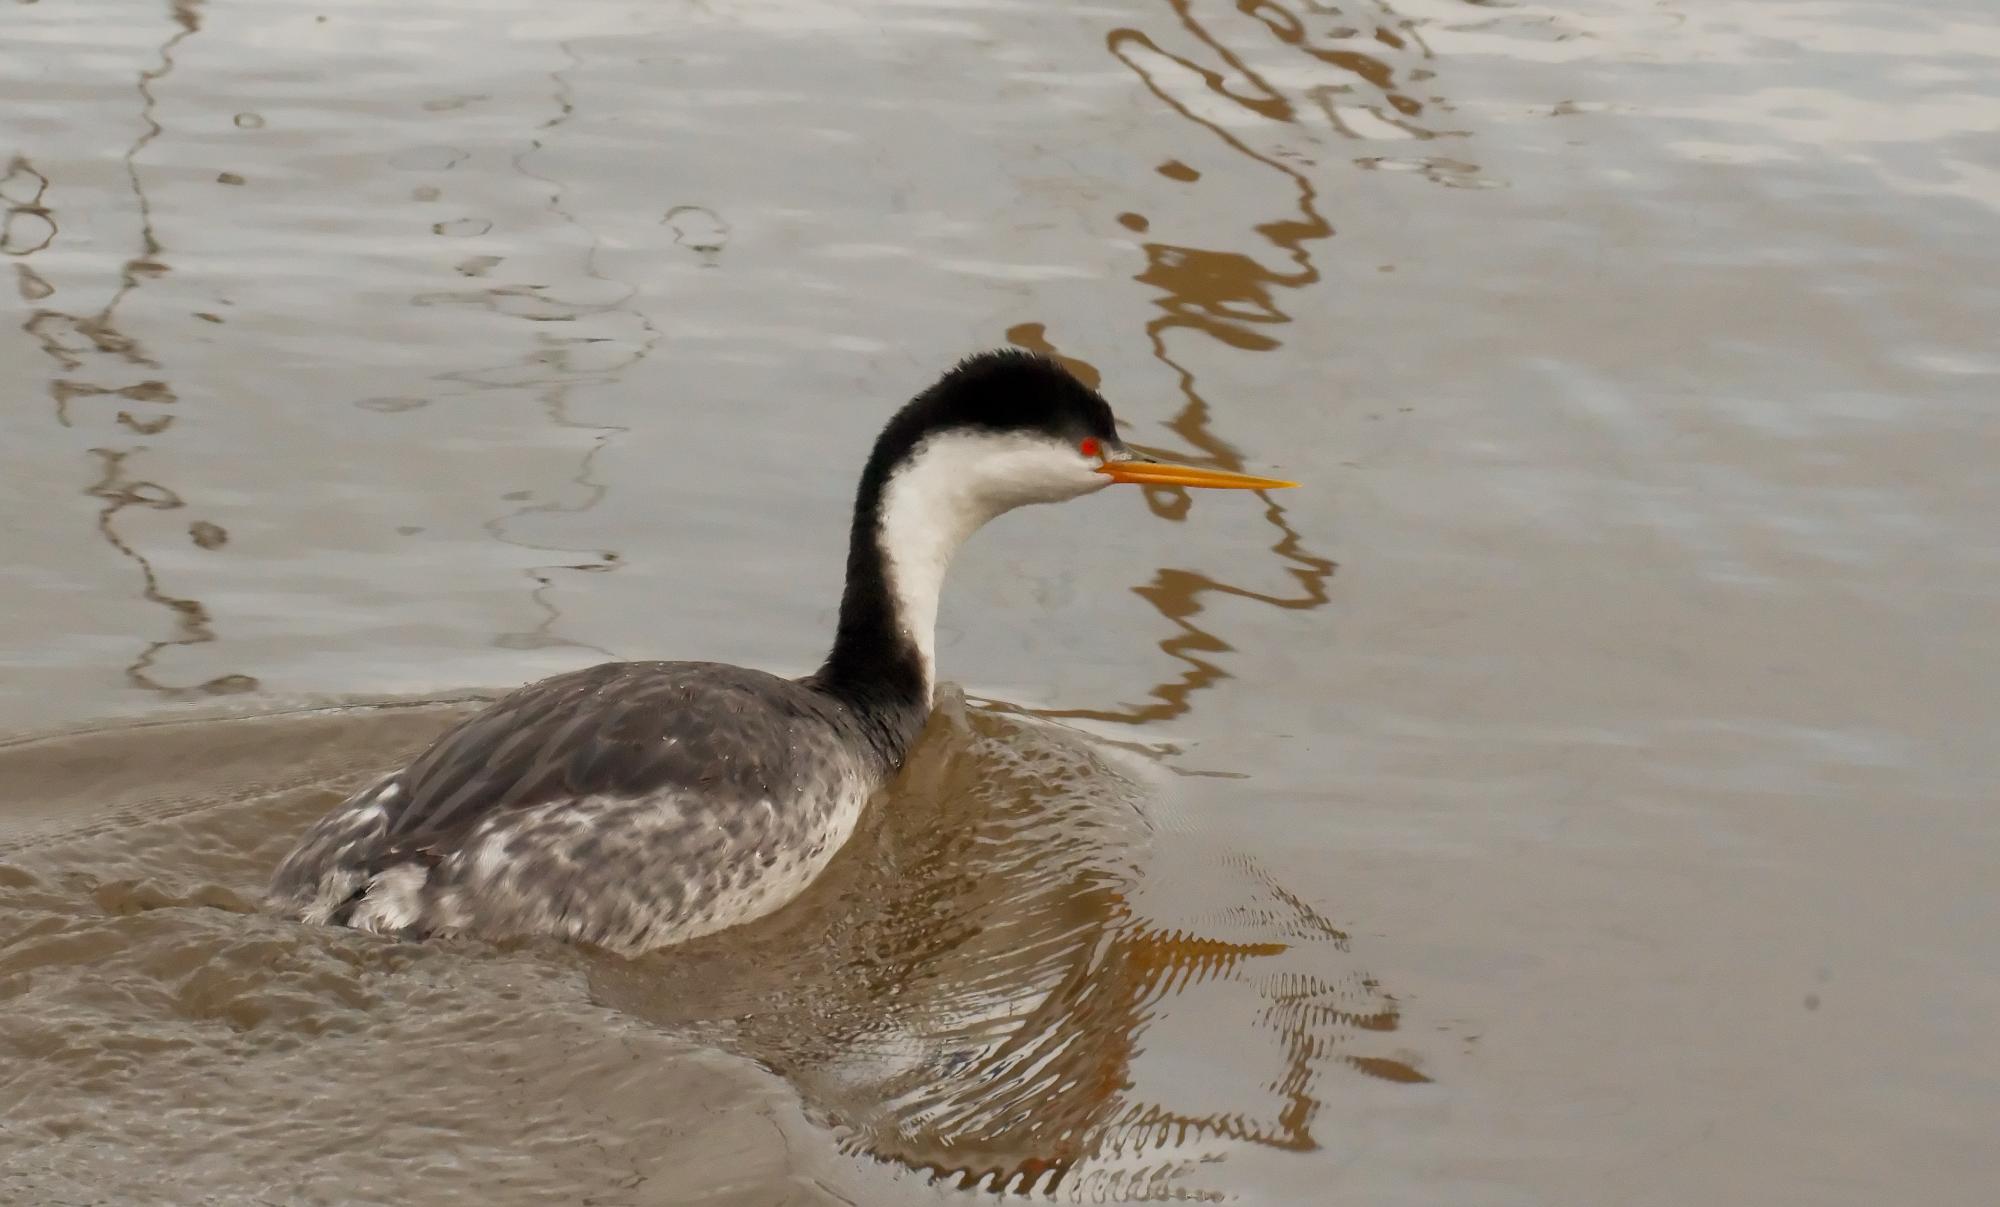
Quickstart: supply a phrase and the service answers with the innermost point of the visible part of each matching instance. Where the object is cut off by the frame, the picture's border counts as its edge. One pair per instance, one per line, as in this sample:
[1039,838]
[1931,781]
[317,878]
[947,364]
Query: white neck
[951,485]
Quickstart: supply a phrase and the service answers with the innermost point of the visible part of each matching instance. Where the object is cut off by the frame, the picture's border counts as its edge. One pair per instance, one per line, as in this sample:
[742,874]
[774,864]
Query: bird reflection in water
[968,990]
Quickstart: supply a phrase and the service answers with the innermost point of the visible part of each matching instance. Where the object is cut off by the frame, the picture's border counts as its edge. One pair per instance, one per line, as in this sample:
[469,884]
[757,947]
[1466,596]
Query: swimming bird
[633,805]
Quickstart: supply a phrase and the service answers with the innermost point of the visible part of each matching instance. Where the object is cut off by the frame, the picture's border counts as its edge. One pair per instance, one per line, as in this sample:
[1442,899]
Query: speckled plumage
[637,804]
[629,805]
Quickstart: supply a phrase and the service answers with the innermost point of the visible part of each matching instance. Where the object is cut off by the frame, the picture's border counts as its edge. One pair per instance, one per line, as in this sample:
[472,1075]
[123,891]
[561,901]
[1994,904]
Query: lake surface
[1580,791]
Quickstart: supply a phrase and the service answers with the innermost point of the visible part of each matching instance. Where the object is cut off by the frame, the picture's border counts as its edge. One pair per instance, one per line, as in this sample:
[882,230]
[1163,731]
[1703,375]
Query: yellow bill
[1166,473]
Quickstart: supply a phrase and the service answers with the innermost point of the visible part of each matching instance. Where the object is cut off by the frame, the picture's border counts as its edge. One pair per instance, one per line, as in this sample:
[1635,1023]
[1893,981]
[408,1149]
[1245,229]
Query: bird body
[630,804]
[633,805]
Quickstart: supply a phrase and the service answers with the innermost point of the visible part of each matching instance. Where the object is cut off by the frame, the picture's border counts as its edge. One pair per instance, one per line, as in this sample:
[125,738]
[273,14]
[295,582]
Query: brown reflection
[28,225]
[99,362]
[30,284]
[600,340]
[192,625]
[1233,298]
[1177,594]
[967,990]
[1034,338]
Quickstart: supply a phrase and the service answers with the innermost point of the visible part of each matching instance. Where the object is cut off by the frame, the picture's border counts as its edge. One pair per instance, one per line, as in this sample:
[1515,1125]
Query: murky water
[1613,823]
[966,993]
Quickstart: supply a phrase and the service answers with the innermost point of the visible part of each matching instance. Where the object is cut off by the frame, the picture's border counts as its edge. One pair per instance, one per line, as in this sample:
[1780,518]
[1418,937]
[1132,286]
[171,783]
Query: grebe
[637,804]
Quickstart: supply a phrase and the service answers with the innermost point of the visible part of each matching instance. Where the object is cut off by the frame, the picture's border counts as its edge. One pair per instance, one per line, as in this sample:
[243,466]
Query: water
[1577,792]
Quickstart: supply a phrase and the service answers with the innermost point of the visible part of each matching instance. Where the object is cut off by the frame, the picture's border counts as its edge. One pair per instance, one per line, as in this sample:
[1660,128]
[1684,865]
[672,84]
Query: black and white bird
[637,804]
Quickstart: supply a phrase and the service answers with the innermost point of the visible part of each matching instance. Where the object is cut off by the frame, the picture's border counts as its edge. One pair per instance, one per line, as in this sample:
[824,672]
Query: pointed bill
[1166,473]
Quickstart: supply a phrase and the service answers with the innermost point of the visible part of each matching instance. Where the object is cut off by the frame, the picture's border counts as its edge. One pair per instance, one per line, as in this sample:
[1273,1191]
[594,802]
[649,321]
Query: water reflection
[587,335]
[28,226]
[1177,594]
[98,361]
[192,623]
[968,990]
[989,985]
[1231,297]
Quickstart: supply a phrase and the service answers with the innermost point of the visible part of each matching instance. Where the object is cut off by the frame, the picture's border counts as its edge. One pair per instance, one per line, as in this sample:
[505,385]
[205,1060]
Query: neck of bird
[908,522]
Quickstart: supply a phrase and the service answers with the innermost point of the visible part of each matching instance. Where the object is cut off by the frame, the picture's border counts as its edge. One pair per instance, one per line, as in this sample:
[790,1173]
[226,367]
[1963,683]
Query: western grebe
[637,804]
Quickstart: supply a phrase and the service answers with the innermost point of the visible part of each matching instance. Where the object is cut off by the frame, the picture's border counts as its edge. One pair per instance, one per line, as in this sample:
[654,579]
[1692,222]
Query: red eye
[1089,447]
